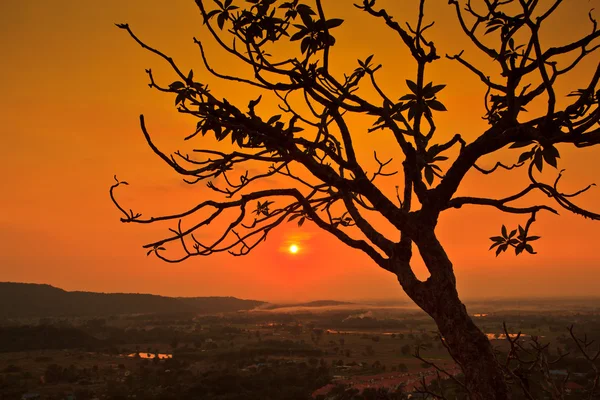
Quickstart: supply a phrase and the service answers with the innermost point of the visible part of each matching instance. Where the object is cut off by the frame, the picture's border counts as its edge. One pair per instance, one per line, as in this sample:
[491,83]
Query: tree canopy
[310,141]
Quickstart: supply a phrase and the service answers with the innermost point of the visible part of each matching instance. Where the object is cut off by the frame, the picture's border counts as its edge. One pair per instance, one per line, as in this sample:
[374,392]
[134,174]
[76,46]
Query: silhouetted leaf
[492,29]
[429,90]
[304,9]
[305,44]
[224,16]
[550,159]
[411,112]
[436,105]
[408,97]
[299,35]
[428,174]
[494,245]
[437,88]
[333,23]
[412,86]
[550,149]
[180,97]
[176,85]
[538,160]
[305,14]
[254,103]
[519,249]
[273,119]
[501,248]
[550,154]
[293,217]
[516,145]
[212,14]
[526,156]
[576,93]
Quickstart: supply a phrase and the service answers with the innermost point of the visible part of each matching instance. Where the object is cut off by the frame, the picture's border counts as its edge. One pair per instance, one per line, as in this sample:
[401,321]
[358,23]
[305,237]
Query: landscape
[300,200]
[123,346]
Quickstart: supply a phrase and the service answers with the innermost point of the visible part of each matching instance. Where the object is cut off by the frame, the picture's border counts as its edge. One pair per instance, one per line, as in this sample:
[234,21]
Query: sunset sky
[73,87]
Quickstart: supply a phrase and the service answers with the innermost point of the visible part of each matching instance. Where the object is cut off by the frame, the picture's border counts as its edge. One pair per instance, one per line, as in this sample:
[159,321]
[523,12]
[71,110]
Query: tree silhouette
[334,191]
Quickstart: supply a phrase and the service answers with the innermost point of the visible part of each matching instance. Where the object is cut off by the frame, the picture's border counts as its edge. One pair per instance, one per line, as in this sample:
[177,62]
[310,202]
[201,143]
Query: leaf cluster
[424,100]
[263,208]
[520,241]
[538,154]
[315,35]
[265,21]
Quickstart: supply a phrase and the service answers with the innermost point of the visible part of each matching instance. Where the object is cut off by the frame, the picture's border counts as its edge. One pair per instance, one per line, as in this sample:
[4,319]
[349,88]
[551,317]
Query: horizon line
[466,299]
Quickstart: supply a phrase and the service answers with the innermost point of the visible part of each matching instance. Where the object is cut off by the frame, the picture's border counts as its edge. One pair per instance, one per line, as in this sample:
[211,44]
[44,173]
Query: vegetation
[312,133]
[30,300]
[272,355]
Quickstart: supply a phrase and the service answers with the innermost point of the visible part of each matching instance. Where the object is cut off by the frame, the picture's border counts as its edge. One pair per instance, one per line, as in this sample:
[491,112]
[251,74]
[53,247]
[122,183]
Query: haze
[73,86]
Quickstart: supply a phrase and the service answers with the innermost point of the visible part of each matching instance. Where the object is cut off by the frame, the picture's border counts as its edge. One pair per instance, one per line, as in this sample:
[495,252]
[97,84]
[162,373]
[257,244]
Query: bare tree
[311,144]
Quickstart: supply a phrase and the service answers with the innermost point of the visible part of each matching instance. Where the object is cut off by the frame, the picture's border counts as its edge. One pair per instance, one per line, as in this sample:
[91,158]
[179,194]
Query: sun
[293,248]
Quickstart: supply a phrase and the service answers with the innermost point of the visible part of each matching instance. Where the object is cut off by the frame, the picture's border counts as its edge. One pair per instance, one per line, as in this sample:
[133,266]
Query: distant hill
[19,300]
[317,303]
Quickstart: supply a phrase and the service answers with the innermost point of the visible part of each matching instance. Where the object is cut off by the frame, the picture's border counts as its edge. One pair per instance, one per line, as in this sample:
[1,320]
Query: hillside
[19,300]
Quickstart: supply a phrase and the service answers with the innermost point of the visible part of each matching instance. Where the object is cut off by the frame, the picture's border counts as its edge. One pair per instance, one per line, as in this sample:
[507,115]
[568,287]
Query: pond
[502,336]
[161,356]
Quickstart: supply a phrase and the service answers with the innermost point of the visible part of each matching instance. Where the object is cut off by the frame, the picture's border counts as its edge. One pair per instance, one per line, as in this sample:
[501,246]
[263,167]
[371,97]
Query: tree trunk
[470,348]
[438,297]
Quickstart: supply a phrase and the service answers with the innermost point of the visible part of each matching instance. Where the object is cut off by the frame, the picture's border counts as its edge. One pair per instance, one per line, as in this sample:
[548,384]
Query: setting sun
[294,248]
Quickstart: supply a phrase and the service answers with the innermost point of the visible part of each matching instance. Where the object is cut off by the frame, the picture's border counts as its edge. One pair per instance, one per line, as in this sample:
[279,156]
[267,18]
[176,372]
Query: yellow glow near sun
[294,248]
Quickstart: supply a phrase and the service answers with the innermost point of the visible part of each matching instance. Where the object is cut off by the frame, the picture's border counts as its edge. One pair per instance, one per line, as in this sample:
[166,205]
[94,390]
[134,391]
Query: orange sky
[73,86]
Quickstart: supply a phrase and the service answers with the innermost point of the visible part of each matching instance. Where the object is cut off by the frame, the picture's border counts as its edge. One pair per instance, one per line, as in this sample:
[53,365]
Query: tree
[405,350]
[334,191]
[316,335]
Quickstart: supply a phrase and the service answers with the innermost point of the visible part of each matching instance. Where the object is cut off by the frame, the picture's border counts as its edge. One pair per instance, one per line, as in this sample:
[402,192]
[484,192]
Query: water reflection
[161,356]
[501,336]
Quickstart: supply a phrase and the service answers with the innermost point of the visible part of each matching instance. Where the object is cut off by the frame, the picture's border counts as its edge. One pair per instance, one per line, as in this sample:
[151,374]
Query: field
[285,353]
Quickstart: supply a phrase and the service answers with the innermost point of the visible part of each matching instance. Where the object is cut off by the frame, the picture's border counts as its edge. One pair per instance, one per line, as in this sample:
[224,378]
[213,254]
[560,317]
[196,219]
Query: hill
[21,300]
